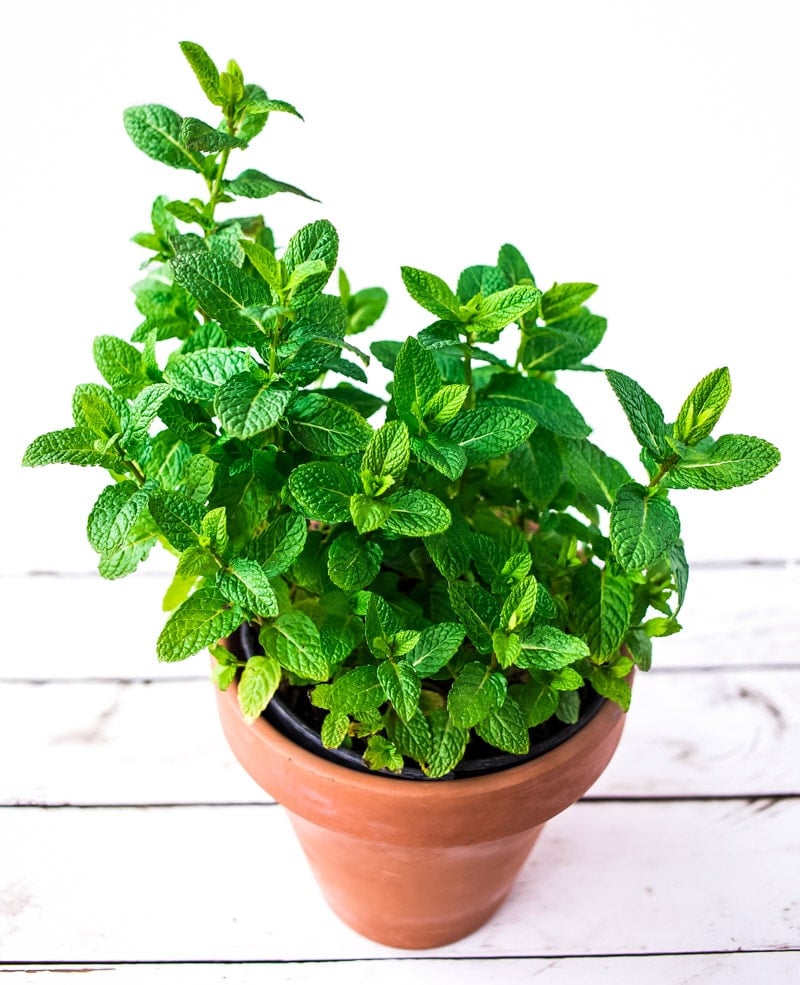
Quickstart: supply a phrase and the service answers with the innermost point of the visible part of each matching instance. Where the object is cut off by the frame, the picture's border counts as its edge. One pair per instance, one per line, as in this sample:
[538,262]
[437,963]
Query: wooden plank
[740,615]
[717,733]
[663,969]
[229,884]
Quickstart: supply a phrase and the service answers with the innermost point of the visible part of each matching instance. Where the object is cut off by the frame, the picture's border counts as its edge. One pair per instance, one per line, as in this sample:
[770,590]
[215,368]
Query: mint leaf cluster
[455,559]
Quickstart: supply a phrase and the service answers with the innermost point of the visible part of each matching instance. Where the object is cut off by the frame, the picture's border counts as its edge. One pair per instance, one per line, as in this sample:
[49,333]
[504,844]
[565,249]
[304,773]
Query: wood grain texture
[195,884]
[668,969]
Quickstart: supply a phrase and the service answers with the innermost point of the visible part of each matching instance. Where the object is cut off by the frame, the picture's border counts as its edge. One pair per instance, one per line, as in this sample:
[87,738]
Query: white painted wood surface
[133,848]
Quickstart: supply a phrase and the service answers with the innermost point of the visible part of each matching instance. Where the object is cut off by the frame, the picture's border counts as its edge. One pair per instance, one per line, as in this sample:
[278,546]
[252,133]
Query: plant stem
[663,470]
[470,401]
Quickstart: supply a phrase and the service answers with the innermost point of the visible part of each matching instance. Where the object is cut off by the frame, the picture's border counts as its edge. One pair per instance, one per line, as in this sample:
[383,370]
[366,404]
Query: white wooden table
[133,848]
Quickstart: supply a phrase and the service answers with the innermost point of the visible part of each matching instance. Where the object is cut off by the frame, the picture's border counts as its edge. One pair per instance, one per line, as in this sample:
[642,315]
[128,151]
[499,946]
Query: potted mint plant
[428,602]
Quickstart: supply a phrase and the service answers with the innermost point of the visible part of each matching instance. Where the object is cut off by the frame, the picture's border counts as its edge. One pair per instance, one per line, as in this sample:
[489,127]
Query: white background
[649,147]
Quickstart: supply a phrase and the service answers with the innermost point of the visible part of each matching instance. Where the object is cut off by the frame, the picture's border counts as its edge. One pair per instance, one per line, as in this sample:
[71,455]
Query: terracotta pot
[417,864]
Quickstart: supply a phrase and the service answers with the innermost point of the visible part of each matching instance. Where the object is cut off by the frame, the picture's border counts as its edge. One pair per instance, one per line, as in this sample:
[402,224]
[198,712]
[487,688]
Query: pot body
[417,864]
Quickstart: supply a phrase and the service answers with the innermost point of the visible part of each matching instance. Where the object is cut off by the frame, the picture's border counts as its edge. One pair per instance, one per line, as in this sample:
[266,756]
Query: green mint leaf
[200,374]
[416,381]
[505,728]
[180,518]
[223,675]
[198,478]
[733,460]
[260,679]
[323,490]
[113,516]
[488,431]
[679,567]
[294,641]
[327,427]
[204,69]
[475,692]
[412,739]
[189,214]
[544,402]
[436,645]
[451,551]
[156,130]
[593,473]
[386,353]
[388,453]
[401,683]
[514,266]
[478,610]
[245,583]
[248,405]
[380,624]
[703,407]
[536,469]
[568,679]
[265,263]
[548,648]
[256,184]
[281,543]
[72,446]
[602,606]
[520,604]
[502,308]
[442,454]
[221,288]
[197,135]
[333,730]
[445,404]
[120,365]
[643,528]
[448,744]
[641,648]
[144,410]
[368,513]
[353,561]
[480,279]
[416,514]
[98,409]
[125,560]
[356,692]
[646,418]
[165,459]
[259,106]
[608,686]
[214,529]
[340,634]
[564,344]
[506,647]
[316,241]
[364,308]
[538,702]
[203,618]
[431,293]
[569,707]
[252,123]
[305,283]
[381,754]
[565,299]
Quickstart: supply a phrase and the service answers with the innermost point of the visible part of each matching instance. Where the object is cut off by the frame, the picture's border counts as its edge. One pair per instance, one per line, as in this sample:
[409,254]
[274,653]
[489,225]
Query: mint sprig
[468,563]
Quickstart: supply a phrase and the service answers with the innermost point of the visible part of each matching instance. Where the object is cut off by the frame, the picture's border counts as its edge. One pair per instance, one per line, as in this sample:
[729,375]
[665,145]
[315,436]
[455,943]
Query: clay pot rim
[577,745]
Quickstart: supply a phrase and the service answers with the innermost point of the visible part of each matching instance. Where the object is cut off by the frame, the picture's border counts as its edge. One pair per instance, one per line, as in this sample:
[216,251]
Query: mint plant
[455,560]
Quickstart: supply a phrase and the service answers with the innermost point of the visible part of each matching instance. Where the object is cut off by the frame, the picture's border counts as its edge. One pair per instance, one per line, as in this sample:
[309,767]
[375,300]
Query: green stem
[663,469]
[470,401]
